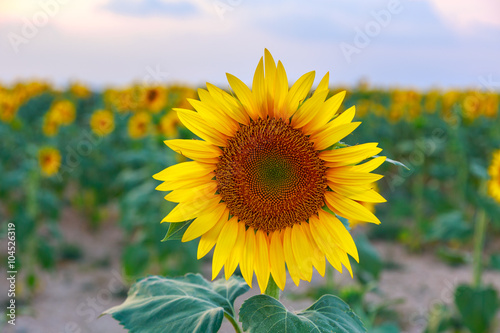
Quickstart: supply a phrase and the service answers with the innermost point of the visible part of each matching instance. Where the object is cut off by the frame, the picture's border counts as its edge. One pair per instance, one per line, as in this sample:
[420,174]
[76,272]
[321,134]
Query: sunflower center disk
[270,176]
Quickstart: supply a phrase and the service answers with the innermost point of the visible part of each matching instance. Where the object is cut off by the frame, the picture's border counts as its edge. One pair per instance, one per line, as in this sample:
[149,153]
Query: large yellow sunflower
[494,172]
[269,177]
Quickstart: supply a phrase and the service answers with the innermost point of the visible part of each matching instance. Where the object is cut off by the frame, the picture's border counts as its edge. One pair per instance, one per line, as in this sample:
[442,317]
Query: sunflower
[494,172]
[102,122]
[49,160]
[168,125]
[139,125]
[154,98]
[63,112]
[264,187]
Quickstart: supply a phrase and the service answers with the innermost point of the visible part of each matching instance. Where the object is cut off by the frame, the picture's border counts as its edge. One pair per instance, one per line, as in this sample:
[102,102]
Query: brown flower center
[270,176]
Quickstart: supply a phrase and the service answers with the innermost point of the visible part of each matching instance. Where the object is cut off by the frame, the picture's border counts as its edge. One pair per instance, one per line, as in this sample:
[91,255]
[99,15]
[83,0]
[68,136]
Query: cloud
[464,15]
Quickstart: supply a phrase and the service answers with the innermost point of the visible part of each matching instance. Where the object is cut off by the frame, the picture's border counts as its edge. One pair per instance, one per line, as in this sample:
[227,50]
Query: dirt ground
[71,299]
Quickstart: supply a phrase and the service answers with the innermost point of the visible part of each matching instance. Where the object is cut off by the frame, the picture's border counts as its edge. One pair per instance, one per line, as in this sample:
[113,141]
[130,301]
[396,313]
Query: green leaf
[263,313]
[135,259]
[185,304]
[176,230]
[477,306]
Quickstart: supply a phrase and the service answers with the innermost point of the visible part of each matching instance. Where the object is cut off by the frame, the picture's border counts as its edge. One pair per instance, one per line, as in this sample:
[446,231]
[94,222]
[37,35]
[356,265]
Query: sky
[406,43]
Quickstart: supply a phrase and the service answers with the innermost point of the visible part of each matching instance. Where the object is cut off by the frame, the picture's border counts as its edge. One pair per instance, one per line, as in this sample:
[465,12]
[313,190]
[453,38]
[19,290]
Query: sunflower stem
[233,322]
[479,233]
[272,289]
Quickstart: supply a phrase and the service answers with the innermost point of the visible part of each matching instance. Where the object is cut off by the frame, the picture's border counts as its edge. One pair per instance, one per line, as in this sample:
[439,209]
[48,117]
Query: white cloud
[464,15]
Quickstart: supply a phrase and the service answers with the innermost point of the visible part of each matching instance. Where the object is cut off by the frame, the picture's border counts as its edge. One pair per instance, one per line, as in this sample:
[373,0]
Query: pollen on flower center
[270,176]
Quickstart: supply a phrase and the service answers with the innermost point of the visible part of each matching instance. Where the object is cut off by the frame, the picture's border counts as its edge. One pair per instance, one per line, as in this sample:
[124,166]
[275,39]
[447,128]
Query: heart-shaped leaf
[263,313]
[186,304]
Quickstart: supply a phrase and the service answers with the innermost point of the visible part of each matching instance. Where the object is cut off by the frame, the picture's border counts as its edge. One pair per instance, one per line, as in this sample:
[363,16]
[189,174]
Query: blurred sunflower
[494,172]
[49,160]
[168,125]
[102,122]
[50,125]
[154,99]
[139,125]
[8,106]
[79,90]
[63,112]
[264,188]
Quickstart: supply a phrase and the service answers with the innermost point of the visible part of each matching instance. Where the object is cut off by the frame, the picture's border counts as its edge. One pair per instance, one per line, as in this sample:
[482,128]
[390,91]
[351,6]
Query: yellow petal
[225,245]
[196,124]
[189,210]
[346,176]
[308,110]
[208,239]
[262,259]
[330,136]
[348,208]
[302,251]
[280,94]
[335,227]
[259,89]
[299,92]
[325,113]
[218,120]
[349,155]
[277,260]
[366,194]
[229,104]
[318,257]
[184,170]
[323,84]
[325,241]
[205,221]
[291,262]
[248,257]
[195,149]
[185,183]
[204,192]
[244,95]
[370,165]
[235,256]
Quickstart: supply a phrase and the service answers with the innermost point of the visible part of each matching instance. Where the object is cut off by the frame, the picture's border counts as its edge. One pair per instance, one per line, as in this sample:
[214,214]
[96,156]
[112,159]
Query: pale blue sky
[422,43]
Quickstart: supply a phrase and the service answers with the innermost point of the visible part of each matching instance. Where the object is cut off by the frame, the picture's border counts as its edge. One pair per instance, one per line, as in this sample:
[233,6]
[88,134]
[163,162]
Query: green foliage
[263,313]
[477,307]
[186,304]
[370,264]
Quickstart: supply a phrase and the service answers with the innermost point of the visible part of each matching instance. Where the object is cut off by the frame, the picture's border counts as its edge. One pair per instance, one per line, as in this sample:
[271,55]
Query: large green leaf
[185,304]
[477,306]
[263,313]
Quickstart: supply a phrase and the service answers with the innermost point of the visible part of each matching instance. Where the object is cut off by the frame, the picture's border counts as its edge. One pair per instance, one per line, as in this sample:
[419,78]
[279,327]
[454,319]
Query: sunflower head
[49,159]
[269,177]
[494,172]
[139,125]
[63,112]
[154,99]
[102,122]
[168,125]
